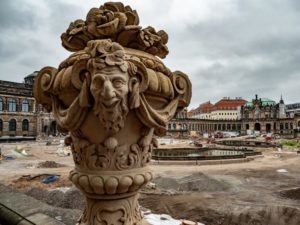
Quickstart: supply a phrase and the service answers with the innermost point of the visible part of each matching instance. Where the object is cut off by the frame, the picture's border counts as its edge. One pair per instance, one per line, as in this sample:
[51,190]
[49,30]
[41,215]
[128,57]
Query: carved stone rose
[112,95]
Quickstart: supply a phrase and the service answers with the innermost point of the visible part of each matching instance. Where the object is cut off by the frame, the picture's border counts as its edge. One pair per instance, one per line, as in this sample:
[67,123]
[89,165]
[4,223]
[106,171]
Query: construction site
[231,189]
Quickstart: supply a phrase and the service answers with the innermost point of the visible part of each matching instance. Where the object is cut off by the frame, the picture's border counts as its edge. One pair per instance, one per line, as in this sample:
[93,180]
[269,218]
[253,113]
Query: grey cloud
[15,15]
[252,48]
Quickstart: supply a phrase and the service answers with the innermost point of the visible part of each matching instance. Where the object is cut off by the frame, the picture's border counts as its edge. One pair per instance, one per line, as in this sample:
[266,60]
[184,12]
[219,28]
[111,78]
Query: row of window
[202,127]
[175,126]
[257,115]
[282,126]
[227,113]
[12,105]
[214,114]
[12,125]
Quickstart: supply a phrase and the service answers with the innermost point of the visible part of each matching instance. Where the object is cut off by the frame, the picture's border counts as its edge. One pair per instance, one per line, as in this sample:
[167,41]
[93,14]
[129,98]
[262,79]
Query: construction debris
[50,179]
[164,219]
[63,150]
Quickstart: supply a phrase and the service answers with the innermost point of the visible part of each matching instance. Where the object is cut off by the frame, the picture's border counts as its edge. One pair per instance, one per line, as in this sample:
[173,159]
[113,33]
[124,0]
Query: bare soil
[265,191]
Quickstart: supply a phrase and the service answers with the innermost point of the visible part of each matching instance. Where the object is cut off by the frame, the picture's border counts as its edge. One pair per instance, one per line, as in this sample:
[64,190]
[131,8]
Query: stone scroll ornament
[112,95]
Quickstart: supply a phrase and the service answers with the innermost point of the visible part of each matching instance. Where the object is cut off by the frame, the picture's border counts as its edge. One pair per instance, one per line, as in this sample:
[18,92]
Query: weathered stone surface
[112,95]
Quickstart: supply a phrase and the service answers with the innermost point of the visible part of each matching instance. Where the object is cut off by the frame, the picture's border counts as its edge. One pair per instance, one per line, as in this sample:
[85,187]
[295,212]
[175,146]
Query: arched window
[25,106]
[228,126]
[25,125]
[239,127]
[12,105]
[233,127]
[281,126]
[1,125]
[1,104]
[12,125]
[223,126]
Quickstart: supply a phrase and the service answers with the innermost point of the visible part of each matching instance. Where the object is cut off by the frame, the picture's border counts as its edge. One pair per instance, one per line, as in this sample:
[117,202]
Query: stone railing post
[112,95]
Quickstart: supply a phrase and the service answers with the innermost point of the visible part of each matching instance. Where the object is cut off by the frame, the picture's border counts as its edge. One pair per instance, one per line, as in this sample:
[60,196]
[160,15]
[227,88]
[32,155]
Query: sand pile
[291,193]
[195,182]
[278,215]
[190,206]
[49,164]
[71,199]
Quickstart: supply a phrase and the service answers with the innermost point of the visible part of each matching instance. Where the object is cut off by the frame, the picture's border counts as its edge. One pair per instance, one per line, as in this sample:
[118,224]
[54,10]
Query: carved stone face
[109,88]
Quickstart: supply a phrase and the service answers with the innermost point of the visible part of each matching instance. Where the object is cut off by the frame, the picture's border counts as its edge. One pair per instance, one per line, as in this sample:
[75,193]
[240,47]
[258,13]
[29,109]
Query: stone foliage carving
[120,24]
[102,213]
[112,156]
[112,95]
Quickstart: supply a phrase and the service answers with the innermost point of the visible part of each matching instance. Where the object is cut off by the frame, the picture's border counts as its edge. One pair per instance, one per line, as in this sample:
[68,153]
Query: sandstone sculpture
[112,95]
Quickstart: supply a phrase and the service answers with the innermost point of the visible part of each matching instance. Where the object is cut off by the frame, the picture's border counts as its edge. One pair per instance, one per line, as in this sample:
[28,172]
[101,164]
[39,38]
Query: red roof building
[204,108]
[229,104]
[225,109]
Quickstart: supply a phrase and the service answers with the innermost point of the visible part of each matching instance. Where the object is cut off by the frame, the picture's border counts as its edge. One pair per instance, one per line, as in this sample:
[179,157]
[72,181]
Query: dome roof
[32,74]
[264,102]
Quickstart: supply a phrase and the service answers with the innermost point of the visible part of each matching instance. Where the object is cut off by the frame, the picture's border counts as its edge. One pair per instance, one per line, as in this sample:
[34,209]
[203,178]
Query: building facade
[202,112]
[260,115]
[266,116]
[292,109]
[20,115]
[225,109]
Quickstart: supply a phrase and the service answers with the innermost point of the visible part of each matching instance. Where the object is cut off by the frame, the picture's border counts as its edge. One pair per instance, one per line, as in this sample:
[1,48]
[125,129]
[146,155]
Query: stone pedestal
[112,96]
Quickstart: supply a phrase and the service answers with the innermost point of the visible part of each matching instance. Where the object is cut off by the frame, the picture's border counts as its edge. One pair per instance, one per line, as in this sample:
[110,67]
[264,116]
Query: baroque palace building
[259,115]
[225,109]
[20,116]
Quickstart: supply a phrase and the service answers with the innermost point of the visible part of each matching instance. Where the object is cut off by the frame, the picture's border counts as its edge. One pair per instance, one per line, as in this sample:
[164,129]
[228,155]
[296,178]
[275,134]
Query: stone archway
[257,127]
[268,127]
[45,129]
[53,128]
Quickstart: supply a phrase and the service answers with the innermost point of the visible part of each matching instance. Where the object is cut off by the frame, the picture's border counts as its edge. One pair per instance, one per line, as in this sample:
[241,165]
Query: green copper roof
[265,101]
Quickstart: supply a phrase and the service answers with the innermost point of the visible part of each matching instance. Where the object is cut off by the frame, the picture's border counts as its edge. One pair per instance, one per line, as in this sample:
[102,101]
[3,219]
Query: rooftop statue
[112,95]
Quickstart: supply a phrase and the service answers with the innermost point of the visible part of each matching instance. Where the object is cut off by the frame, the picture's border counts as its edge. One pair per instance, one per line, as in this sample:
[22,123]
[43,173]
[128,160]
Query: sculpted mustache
[123,101]
[112,119]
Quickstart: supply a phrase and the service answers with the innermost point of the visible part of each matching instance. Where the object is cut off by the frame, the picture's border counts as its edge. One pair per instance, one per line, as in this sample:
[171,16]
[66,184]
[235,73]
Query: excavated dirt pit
[291,194]
[200,197]
[195,182]
[70,198]
[264,191]
[49,164]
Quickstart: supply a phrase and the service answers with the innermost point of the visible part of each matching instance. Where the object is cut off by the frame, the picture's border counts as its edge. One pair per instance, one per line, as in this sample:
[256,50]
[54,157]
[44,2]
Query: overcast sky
[232,48]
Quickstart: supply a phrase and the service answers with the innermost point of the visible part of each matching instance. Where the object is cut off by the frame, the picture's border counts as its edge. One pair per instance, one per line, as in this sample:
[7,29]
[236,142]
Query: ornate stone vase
[112,96]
